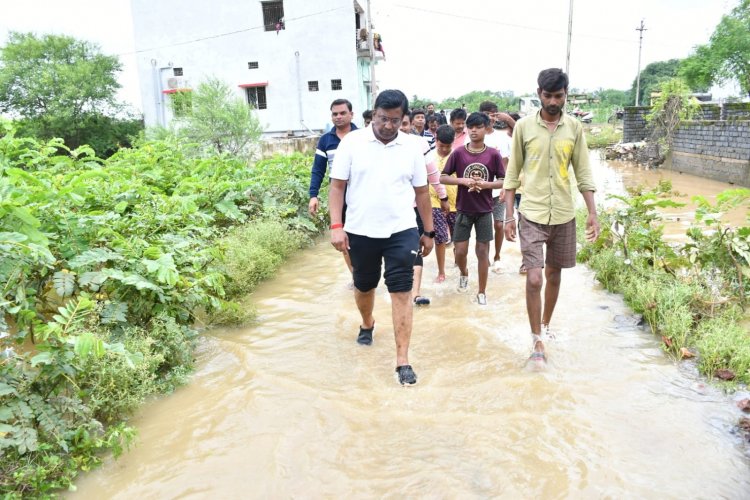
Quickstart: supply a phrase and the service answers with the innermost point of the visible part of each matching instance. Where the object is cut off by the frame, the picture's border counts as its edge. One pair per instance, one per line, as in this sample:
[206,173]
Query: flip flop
[421,301]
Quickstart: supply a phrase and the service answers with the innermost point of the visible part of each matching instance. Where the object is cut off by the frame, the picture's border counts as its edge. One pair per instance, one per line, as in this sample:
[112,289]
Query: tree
[652,76]
[699,69]
[504,100]
[726,57]
[612,97]
[58,86]
[221,120]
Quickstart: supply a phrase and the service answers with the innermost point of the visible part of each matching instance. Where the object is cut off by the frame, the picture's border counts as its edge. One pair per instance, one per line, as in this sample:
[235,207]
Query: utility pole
[570,36]
[371,46]
[638,77]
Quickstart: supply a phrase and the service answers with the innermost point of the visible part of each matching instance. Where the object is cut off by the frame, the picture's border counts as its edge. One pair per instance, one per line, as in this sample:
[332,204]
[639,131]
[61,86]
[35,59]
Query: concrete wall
[304,145]
[716,149]
[220,38]
[634,127]
[736,111]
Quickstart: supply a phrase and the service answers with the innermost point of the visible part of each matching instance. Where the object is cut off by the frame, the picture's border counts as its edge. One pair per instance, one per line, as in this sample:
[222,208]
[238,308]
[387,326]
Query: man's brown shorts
[559,238]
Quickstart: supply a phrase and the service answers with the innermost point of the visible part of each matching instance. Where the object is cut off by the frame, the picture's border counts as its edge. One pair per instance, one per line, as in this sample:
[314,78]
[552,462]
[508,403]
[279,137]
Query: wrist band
[444,199]
[337,226]
[508,220]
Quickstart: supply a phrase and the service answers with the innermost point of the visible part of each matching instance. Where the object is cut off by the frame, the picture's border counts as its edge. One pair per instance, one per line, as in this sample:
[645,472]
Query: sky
[445,48]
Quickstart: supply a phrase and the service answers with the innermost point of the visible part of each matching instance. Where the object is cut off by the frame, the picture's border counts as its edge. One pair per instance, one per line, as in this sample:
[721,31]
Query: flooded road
[292,407]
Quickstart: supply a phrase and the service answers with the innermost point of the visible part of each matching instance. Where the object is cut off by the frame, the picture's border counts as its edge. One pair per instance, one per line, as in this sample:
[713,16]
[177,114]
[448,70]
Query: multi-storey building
[288,58]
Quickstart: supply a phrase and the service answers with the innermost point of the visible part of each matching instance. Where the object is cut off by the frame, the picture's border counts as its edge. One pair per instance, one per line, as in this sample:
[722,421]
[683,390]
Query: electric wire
[227,33]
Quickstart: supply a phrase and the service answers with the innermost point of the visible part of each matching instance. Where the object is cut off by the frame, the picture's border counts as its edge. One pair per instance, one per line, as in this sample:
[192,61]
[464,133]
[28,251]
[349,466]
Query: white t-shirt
[380,181]
[498,140]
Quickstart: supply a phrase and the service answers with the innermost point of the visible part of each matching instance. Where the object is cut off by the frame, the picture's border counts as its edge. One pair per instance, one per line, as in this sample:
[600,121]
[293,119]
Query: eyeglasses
[384,119]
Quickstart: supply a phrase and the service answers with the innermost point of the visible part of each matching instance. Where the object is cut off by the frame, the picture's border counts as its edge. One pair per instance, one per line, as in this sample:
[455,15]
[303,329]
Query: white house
[289,58]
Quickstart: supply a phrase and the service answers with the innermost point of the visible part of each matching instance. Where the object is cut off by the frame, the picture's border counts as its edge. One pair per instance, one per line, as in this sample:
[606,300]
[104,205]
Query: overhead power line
[519,26]
[227,33]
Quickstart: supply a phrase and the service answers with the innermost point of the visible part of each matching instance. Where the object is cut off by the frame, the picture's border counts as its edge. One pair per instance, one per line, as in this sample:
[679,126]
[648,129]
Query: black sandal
[365,335]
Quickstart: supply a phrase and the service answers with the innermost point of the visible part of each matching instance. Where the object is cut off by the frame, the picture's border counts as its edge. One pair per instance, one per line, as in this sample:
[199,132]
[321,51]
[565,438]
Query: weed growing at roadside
[692,295]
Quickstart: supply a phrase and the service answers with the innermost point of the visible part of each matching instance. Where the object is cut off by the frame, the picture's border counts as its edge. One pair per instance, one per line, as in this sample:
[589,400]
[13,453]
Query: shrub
[113,385]
[691,294]
[724,342]
[606,135]
[254,251]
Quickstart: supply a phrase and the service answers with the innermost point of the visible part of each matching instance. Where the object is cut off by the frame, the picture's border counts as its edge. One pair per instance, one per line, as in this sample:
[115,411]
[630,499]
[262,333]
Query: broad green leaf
[26,439]
[5,414]
[92,280]
[230,210]
[13,237]
[140,283]
[94,256]
[164,268]
[43,358]
[6,389]
[25,216]
[87,343]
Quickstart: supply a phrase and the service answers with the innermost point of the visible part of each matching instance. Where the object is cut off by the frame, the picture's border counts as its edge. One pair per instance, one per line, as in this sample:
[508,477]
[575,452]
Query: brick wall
[735,111]
[634,127]
[716,149]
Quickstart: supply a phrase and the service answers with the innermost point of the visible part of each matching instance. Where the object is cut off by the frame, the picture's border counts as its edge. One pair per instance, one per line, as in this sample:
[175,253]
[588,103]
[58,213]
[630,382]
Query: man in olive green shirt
[544,147]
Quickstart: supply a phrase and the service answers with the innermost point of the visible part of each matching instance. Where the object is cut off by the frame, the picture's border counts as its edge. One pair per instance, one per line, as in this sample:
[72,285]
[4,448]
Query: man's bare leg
[534,303]
[401,309]
[417,287]
[348,261]
[365,303]
[482,250]
[553,277]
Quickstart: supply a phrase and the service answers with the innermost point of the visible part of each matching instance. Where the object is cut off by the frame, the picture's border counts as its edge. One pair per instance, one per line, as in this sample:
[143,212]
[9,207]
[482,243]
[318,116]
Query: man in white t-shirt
[501,141]
[383,171]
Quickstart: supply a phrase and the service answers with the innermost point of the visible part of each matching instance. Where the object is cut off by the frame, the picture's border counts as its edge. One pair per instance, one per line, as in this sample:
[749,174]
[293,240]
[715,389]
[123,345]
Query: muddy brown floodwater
[292,407]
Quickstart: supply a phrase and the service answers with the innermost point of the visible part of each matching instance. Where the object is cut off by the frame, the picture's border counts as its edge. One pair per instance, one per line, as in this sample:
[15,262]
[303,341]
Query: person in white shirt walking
[383,171]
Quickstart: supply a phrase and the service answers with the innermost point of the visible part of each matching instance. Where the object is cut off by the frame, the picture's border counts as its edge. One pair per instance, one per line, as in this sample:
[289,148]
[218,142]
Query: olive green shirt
[545,158]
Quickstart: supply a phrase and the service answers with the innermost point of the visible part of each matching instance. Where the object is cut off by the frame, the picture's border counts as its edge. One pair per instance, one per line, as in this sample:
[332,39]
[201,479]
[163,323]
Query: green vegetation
[217,119]
[692,295]
[57,86]
[505,101]
[106,268]
[601,136]
[651,78]
[673,105]
[726,57]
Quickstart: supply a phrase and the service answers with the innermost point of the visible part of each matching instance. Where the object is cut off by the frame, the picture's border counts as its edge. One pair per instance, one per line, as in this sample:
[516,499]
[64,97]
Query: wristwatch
[429,234]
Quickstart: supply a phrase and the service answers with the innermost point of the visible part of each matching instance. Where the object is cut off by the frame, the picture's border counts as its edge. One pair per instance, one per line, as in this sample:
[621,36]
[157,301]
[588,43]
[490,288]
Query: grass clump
[692,295]
[724,343]
[601,136]
[253,252]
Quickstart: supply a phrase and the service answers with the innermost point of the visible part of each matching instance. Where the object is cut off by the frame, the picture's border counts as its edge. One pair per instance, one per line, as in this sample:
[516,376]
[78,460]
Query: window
[252,65]
[336,84]
[273,13]
[312,86]
[182,103]
[177,71]
[256,97]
